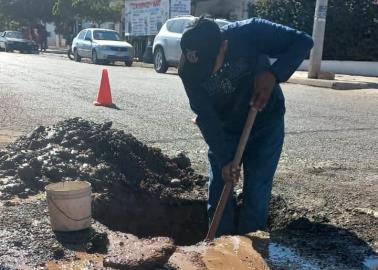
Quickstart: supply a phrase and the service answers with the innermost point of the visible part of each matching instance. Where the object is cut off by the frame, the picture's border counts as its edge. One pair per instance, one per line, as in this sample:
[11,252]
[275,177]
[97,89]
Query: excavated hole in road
[184,220]
[146,215]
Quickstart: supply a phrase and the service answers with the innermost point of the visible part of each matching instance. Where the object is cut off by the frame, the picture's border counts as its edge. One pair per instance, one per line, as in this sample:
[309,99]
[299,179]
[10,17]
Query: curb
[56,51]
[332,84]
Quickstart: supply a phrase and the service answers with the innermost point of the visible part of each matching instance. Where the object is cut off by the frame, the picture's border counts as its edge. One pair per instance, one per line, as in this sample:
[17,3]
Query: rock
[64,153]
[98,243]
[65,143]
[14,188]
[26,173]
[10,203]
[106,125]
[17,243]
[175,182]
[35,132]
[138,254]
[182,161]
[7,165]
[24,194]
[52,172]
[2,152]
[35,163]
[36,144]
[227,252]
[19,158]
[234,252]
[58,253]
[102,170]
[10,172]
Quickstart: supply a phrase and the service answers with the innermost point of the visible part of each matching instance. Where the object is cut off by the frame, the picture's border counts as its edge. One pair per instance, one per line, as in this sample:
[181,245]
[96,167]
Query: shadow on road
[328,244]
[88,240]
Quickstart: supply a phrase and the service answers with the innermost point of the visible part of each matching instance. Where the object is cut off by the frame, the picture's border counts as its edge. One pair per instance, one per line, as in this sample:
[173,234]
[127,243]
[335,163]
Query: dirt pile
[80,149]
[129,252]
[138,189]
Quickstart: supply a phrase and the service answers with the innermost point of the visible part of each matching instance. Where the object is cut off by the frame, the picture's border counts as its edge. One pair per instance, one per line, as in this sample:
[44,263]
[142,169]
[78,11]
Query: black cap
[200,45]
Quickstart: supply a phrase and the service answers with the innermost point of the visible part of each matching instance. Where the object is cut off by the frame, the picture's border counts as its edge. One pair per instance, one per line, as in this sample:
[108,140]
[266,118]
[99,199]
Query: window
[82,34]
[14,34]
[176,26]
[106,35]
[88,35]
[186,24]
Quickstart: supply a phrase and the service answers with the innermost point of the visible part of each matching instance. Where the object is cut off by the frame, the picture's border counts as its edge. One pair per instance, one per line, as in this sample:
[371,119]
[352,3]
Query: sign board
[145,17]
[180,7]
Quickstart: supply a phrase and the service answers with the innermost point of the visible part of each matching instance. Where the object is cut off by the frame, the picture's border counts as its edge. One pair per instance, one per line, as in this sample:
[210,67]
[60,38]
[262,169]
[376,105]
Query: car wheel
[128,63]
[76,56]
[160,63]
[70,55]
[94,57]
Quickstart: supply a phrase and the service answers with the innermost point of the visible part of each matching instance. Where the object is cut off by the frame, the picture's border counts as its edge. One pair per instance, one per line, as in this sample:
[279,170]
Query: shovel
[228,186]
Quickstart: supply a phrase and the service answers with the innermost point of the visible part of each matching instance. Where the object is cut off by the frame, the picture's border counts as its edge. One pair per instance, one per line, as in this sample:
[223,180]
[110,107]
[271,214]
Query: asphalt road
[321,124]
[328,167]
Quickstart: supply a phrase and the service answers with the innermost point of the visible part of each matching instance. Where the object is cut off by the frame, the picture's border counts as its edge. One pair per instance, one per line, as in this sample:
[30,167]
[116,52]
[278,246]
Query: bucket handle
[63,213]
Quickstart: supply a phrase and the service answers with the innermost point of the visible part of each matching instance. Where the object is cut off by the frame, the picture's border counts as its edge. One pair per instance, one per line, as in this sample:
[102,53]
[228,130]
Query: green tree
[25,11]
[97,11]
[62,12]
[351,30]
[67,12]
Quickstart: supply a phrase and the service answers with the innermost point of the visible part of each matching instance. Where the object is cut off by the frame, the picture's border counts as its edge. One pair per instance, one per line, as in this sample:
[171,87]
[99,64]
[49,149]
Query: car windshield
[106,35]
[13,35]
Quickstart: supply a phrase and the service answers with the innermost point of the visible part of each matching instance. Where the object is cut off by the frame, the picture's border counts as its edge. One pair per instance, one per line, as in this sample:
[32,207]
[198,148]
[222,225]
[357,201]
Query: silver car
[166,48]
[101,45]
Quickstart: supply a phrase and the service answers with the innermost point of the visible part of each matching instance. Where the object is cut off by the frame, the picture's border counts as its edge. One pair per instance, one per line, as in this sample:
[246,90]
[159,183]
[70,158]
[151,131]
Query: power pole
[318,36]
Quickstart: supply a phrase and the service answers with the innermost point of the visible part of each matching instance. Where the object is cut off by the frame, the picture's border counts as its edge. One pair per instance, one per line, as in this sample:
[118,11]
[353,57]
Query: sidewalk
[56,50]
[341,82]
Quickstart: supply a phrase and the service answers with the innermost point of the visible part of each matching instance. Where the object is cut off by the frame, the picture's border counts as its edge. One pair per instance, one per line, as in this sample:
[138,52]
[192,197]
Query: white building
[227,9]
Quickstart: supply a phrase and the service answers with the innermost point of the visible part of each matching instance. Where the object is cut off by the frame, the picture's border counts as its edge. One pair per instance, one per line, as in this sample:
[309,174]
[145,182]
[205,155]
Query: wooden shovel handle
[228,186]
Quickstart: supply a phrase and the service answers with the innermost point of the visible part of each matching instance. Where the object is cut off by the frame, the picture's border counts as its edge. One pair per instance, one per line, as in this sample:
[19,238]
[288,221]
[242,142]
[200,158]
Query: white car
[101,45]
[166,48]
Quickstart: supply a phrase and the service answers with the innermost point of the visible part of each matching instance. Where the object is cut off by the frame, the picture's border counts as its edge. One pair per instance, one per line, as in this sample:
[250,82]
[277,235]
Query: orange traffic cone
[104,97]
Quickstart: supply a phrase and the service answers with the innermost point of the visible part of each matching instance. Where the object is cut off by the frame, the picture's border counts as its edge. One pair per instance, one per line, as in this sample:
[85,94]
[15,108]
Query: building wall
[231,10]
[52,37]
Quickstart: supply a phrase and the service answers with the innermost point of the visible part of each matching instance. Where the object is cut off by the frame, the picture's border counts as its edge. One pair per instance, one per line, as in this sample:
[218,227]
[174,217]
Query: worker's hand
[264,84]
[231,173]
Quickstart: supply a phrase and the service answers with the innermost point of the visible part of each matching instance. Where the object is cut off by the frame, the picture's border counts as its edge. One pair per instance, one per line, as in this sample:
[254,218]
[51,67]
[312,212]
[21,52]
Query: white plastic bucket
[69,205]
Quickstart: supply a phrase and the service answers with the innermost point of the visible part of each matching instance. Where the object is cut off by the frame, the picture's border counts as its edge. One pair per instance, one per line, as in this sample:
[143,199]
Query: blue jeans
[259,161]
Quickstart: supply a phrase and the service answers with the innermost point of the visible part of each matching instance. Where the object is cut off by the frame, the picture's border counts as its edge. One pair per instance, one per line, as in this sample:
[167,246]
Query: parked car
[14,41]
[101,45]
[166,48]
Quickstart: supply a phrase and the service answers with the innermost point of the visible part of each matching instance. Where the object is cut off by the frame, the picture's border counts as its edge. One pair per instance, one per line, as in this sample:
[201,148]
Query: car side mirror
[88,39]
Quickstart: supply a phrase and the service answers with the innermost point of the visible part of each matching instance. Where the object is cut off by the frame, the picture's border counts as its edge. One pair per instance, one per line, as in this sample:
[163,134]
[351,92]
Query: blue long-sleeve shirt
[222,101]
